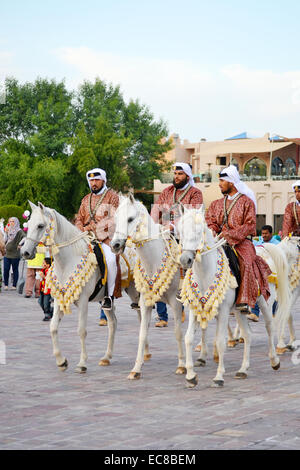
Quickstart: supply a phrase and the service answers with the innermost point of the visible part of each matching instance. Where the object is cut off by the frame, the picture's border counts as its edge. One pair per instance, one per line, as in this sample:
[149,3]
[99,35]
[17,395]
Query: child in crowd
[45,296]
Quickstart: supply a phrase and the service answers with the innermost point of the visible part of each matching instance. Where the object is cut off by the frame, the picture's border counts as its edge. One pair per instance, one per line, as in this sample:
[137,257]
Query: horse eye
[40,226]
[131,219]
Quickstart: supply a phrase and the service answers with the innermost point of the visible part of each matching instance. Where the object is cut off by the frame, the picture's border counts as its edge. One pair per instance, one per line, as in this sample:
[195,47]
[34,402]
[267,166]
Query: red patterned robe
[242,223]
[289,222]
[162,209]
[103,224]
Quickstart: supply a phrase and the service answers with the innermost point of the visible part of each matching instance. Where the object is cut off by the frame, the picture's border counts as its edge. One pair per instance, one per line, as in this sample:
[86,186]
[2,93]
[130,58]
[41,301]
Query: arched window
[255,169]
[277,166]
[290,167]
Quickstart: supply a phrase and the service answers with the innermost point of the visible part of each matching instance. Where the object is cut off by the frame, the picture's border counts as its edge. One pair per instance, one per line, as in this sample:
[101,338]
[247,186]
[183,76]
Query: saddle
[102,281]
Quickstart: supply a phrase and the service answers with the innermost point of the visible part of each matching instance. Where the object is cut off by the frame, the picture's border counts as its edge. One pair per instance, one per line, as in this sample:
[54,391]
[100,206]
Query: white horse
[75,273]
[202,253]
[157,274]
[289,247]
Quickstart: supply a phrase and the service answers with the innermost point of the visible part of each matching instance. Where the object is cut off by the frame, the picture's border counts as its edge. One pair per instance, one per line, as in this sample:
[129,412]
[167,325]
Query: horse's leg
[222,323]
[61,361]
[134,296]
[201,361]
[112,327]
[231,343]
[290,345]
[191,376]
[144,326]
[177,311]
[266,309]
[245,331]
[82,332]
[147,354]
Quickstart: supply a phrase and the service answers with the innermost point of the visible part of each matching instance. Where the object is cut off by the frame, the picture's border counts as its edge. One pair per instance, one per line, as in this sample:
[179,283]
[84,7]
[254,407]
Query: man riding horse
[96,214]
[291,220]
[234,218]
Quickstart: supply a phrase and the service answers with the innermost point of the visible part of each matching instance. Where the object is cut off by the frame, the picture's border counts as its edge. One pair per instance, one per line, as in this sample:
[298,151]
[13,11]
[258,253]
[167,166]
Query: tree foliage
[50,137]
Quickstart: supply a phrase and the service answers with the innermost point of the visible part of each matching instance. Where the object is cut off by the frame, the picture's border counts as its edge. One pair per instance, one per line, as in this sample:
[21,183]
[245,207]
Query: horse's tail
[284,295]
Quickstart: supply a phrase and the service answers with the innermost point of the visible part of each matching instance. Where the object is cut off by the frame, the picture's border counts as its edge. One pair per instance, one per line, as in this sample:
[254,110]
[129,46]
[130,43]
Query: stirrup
[178,296]
[107,303]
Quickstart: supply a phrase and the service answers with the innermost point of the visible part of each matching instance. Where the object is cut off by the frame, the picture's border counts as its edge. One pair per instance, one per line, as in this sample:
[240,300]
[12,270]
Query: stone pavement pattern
[44,408]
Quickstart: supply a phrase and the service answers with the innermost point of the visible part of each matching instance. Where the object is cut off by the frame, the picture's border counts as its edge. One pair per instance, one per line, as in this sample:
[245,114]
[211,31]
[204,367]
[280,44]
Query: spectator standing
[12,237]
[266,237]
[45,295]
[32,284]
[2,253]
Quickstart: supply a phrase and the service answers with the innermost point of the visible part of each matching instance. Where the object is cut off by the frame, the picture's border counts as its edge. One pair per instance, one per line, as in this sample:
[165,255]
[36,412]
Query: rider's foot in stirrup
[107,303]
[178,296]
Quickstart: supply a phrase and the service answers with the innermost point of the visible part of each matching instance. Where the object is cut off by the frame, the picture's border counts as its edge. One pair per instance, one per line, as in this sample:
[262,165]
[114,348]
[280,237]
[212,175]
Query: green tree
[24,177]
[40,115]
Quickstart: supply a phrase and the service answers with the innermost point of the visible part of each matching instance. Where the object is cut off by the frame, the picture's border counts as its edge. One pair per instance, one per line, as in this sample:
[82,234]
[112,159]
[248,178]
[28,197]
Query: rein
[48,239]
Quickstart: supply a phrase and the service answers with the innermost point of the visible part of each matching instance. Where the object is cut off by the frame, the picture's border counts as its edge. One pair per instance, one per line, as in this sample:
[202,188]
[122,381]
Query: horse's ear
[33,206]
[131,198]
[181,209]
[41,206]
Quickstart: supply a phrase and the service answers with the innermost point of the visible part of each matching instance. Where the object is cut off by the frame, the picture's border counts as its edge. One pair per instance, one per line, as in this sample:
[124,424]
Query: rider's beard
[181,184]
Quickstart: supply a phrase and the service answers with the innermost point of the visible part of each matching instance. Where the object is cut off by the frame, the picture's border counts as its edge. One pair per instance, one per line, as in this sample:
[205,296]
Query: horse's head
[37,225]
[291,248]
[191,228]
[127,218]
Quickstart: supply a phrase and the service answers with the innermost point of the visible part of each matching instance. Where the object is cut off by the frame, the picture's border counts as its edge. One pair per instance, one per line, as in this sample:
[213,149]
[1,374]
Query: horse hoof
[198,348]
[290,347]
[180,371]
[277,366]
[240,375]
[191,383]
[232,344]
[281,351]
[63,366]
[104,362]
[217,383]
[216,358]
[134,376]
[241,340]
[200,363]
[81,370]
[147,357]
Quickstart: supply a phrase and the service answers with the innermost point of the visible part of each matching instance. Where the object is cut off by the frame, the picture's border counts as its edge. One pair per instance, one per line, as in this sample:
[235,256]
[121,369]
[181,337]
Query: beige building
[269,165]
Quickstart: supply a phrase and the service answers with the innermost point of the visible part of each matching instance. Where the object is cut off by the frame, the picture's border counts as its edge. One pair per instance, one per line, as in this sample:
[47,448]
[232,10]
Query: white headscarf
[297,183]
[187,170]
[96,174]
[234,177]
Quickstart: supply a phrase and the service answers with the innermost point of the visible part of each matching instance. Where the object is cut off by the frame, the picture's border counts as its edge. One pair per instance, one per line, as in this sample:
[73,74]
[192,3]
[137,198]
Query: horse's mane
[67,231]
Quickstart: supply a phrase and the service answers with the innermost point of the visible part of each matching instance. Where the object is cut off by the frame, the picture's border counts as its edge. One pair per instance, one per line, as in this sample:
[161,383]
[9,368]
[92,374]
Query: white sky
[209,69]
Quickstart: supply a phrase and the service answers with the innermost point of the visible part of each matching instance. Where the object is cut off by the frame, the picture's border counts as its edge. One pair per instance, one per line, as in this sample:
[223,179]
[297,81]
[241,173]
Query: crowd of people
[232,217]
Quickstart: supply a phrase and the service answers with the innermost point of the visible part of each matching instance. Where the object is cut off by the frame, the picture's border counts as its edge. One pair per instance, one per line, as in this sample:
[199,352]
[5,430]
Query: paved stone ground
[44,408]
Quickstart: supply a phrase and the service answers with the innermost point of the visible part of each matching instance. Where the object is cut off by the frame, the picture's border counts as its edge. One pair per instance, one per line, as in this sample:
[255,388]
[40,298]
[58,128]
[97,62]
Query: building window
[277,167]
[290,167]
[255,169]
[278,221]
[260,222]
[221,161]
